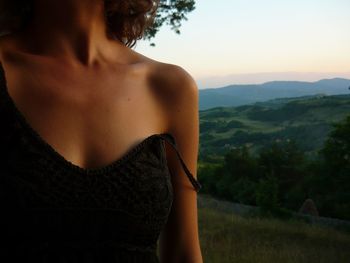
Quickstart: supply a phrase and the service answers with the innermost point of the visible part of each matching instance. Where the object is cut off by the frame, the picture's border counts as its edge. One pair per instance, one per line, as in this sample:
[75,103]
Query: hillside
[236,95]
[307,120]
[228,237]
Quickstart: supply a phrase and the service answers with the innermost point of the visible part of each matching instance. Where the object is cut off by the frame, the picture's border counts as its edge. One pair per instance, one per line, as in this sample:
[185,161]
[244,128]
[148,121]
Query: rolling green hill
[307,120]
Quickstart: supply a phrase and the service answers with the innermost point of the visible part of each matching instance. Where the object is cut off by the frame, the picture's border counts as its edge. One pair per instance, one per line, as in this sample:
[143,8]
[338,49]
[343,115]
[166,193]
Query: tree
[238,176]
[336,172]
[170,12]
[266,194]
[336,150]
[285,162]
[239,163]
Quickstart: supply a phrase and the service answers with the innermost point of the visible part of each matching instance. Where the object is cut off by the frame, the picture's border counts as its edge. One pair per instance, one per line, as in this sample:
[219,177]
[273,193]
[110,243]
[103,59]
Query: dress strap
[171,140]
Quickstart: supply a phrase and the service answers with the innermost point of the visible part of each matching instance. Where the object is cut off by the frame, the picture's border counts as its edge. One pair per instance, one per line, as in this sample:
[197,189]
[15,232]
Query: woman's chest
[87,118]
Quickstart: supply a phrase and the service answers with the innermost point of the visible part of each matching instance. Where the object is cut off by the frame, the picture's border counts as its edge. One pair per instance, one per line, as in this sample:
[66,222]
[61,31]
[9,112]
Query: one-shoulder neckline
[56,155]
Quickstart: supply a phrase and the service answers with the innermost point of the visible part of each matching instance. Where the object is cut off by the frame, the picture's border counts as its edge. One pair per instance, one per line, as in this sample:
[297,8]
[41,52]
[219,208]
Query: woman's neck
[68,28]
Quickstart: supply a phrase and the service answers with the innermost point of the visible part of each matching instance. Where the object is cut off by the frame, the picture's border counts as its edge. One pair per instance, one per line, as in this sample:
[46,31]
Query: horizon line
[264,77]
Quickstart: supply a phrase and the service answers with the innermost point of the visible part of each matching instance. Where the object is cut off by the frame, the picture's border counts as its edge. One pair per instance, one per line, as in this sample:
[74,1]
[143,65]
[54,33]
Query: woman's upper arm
[179,240]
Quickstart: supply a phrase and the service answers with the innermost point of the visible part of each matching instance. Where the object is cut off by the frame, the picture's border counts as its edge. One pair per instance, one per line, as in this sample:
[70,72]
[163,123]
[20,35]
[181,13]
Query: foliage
[267,193]
[170,12]
[335,195]
[337,148]
[208,174]
[307,121]
[284,161]
[240,164]
[220,125]
[237,177]
[281,176]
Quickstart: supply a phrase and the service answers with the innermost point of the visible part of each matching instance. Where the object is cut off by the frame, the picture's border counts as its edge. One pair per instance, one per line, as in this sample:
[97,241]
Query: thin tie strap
[171,140]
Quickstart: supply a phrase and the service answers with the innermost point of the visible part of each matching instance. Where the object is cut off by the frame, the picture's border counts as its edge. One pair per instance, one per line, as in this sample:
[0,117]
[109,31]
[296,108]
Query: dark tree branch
[172,13]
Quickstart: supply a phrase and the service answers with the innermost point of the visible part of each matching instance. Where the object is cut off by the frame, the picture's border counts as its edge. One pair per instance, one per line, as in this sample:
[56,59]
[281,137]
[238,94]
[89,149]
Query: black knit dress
[55,211]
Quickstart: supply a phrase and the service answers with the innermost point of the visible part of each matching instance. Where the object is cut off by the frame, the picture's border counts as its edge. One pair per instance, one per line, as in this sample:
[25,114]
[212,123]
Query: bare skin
[93,99]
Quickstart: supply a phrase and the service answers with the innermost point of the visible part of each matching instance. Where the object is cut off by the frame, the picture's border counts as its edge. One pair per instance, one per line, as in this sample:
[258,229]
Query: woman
[94,138]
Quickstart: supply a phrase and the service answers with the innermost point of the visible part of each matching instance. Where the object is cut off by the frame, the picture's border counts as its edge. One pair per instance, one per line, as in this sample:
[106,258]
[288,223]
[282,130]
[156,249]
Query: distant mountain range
[236,95]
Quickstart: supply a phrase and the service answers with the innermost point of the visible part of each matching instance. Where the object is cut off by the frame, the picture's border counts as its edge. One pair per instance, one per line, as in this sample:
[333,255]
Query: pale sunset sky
[254,41]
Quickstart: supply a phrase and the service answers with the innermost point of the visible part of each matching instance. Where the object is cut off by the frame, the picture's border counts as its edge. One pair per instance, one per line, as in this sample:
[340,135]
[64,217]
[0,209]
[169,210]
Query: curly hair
[126,20]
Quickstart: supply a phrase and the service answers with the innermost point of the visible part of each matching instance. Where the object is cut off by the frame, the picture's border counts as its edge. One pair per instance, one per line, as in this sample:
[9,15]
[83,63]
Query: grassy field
[227,237]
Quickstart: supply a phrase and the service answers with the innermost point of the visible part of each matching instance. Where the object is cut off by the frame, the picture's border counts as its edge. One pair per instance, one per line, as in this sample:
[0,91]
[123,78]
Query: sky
[253,41]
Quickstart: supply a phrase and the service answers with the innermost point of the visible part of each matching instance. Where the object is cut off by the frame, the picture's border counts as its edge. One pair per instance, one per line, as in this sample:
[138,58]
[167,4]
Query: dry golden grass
[231,238]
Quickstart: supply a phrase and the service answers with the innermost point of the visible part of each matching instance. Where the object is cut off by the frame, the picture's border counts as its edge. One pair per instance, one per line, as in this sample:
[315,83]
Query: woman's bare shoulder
[171,79]
[166,75]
